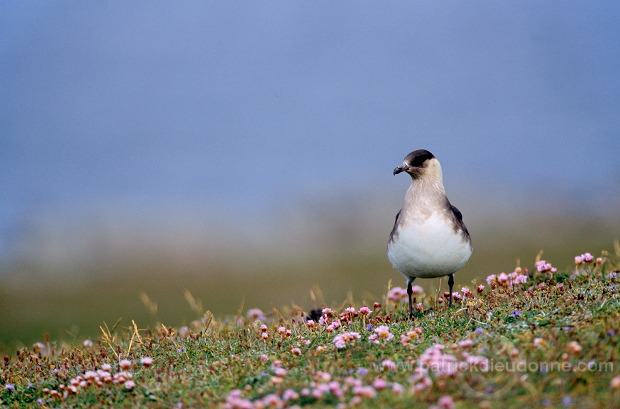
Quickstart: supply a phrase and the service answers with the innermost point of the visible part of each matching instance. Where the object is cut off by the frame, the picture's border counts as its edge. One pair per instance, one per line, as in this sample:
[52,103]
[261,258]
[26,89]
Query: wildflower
[397,294]
[364,391]
[388,364]
[446,402]
[491,279]
[376,305]
[125,364]
[264,335]
[87,343]
[323,377]
[406,339]
[574,347]
[341,340]
[538,342]
[327,312]
[578,260]
[466,343]
[296,351]
[422,383]
[106,367]
[256,314]
[351,310]
[543,266]
[146,361]
[466,292]
[365,311]
[9,387]
[290,394]
[476,361]
[362,371]
[615,382]
[272,400]
[379,384]
[613,275]
[480,288]
[515,313]
[587,257]
[502,279]
[397,388]
[130,384]
[281,372]
[381,333]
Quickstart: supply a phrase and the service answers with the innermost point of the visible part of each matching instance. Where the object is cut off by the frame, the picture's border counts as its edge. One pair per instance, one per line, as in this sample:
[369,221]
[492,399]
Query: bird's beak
[401,168]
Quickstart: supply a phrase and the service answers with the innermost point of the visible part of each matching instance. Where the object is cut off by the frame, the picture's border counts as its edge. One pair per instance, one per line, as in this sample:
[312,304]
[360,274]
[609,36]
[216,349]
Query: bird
[429,238]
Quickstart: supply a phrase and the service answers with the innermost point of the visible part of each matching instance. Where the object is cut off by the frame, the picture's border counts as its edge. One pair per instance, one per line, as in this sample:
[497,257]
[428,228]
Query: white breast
[428,247]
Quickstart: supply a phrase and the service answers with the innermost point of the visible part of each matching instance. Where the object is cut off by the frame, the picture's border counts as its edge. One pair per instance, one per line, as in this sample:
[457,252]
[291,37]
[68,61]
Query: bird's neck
[425,193]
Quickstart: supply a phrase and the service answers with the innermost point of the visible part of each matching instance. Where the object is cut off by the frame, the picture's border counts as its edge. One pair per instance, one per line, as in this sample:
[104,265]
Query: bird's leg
[409,293]
[450,284]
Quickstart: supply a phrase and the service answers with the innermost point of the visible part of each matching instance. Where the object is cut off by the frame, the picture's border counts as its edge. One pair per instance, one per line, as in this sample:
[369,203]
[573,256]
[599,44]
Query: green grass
[551,342]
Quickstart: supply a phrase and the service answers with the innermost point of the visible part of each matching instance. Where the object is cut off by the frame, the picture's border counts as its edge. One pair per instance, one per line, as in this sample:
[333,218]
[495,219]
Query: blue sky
[238,106]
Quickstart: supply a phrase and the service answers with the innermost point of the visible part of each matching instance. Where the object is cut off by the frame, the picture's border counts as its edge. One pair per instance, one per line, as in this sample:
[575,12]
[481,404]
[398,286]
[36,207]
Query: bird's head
[420,163]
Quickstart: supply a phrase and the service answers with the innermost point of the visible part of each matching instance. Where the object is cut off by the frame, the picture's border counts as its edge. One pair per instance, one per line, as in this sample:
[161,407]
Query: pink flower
[397,294]
[290,394]
[615,382]
[381,333]
[365,310]
[397,388]
[388,364]
[491,279]
[364,391]
[405,339]
[480,288]
[327,312]
[296,351]
[256,314]
[130,385]
[502,279]
[466,343]
[379,384]
[587,257]
[341,340]
[446,402]
[125,364]
[574,347]
[543,266]
[146,361]
[272,400]
[281,372]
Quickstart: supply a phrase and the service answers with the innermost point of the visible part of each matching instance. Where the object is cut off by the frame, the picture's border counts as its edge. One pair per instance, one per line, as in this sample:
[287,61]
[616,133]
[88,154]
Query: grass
[553,341]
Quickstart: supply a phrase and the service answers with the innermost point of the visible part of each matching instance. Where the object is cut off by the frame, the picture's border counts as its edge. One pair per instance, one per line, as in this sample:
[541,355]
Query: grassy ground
[536,338]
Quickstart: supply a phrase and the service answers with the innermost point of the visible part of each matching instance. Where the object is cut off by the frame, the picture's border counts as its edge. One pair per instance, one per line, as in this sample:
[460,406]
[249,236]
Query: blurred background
[244,150]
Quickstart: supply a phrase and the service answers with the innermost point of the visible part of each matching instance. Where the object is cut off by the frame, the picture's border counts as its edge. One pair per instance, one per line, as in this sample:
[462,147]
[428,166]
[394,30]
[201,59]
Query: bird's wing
[459,219]
[395,225]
